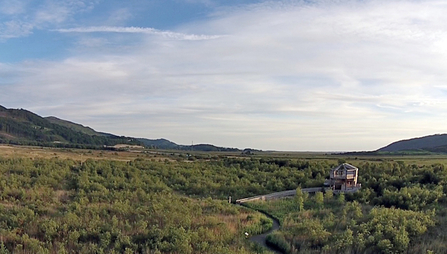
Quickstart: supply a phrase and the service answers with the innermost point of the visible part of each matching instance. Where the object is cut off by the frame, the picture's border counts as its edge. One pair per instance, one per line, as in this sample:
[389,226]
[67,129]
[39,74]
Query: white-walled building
[343,178]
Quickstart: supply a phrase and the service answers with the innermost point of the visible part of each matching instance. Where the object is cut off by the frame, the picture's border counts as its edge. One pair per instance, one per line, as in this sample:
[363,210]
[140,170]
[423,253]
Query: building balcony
[345,189]
[343,176]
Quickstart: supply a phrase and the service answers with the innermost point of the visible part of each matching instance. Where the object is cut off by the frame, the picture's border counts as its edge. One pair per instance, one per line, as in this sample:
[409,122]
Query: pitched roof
[344,166]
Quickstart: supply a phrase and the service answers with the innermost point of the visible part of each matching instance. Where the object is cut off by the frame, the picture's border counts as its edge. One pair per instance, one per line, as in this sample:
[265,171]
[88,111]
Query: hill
[20,126]
[159,143]
[74,126]
[432,143]
[169,145]
[209,148]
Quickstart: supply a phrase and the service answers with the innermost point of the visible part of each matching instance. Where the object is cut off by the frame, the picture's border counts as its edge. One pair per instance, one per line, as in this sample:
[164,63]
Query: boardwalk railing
[289,193]
[280,194]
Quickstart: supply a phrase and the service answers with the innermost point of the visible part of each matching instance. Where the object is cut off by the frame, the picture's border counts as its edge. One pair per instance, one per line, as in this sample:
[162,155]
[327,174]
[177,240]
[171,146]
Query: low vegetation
[60,206]
[396,211]
[179,204]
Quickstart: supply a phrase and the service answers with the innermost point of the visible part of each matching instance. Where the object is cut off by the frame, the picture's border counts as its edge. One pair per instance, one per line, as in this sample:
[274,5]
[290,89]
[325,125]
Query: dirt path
[260,239]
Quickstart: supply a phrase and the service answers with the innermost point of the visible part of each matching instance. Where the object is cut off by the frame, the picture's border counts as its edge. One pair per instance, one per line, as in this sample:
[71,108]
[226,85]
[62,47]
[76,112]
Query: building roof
[344,166]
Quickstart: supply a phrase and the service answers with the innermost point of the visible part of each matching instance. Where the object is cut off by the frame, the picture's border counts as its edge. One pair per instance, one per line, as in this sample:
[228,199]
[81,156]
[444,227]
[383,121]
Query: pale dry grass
[8,204]
[235,222]
[13,151]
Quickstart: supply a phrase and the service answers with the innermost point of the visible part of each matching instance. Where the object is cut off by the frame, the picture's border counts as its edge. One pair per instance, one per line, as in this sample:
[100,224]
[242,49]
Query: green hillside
[74,126]
[22,127]
[169,145]
[159,143]
[433,143]
[19,126]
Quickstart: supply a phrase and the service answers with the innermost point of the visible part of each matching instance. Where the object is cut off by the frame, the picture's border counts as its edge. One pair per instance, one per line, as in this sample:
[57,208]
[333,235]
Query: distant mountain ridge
[431,143]
[23,127]
[158,143]
[169,145]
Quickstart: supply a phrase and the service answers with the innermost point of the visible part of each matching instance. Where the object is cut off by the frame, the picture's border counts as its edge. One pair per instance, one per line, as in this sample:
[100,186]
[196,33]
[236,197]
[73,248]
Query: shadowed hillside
[432,143]
[19,126]
[22,127]
[166,144]
[74,126]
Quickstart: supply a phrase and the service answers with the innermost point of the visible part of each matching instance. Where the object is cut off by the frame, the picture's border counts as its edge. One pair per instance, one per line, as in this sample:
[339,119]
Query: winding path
[260,239]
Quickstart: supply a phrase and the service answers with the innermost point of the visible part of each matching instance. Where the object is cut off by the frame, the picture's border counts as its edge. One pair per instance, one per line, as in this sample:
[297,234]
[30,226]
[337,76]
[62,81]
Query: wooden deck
[290,193]
[280,194]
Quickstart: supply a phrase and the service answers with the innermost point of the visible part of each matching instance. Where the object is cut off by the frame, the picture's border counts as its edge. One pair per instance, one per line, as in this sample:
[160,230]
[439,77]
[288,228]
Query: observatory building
[343,178]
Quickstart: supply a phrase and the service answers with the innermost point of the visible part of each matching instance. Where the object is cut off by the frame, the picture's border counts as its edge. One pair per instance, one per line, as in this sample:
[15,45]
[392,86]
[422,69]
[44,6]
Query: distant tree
[319,199]
[341,161]
[345,242]
[341,198]
[300,202]
[299,192]
[3,249]
[328,195]
[305,196]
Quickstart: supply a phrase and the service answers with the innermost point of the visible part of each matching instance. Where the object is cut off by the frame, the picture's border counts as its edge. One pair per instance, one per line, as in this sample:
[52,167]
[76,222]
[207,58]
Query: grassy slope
[20,126]
[422,143]
[73,126]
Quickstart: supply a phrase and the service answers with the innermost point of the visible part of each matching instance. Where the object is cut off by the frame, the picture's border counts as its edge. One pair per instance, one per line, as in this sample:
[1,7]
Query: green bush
[277,241]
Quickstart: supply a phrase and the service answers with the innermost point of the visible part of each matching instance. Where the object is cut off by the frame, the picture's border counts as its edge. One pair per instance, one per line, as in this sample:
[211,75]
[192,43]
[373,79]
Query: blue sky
[285,75]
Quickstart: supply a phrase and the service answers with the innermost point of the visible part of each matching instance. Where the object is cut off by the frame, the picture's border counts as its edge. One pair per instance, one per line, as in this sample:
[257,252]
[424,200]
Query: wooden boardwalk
[289,193]
[280,194]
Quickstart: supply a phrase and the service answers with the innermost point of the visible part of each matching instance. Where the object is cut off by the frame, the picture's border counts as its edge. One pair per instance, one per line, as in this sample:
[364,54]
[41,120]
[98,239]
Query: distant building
[247,151]
[343,178]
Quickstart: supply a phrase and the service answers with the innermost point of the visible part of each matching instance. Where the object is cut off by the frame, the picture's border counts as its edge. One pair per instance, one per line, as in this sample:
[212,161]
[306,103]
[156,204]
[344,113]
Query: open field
[11,151]
[334,157]
[83,154]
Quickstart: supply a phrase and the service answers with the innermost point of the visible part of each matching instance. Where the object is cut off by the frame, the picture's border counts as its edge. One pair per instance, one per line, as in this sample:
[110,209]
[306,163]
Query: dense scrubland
[179,205]
[400,209]
[61,206]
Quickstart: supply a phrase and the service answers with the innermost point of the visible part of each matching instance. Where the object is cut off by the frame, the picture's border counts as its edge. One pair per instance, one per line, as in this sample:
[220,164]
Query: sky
[304,75]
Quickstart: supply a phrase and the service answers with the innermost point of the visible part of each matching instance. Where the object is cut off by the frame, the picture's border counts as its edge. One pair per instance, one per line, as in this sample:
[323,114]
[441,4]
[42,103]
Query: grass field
[9,151]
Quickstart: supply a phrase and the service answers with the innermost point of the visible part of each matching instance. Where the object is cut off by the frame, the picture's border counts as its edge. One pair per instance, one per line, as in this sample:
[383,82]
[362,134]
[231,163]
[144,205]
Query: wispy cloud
[13,29]
[20,18]
[12,7]
[142,30]
[344,75]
